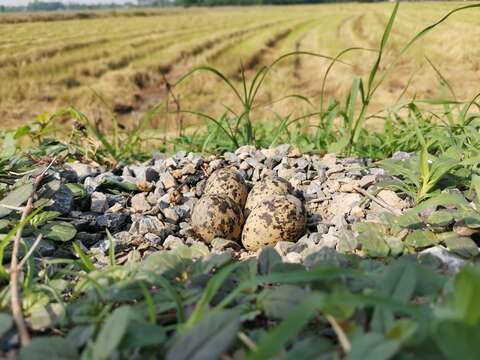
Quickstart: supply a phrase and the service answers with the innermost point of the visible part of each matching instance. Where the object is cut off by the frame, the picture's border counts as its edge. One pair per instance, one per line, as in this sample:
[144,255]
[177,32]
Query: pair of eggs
[263,217]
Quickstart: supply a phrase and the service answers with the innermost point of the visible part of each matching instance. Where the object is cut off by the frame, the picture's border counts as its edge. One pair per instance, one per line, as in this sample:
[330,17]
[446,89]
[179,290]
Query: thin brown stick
[378,201]
[16,268]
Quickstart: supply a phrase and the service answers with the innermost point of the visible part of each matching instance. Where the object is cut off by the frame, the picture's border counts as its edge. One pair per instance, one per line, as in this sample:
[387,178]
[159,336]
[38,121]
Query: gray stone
[220,244]
[172,242]
[139,203]
[343,202]
[401,155]
[171,215]
[88,239]
[145,173]
[153,239]
[168,180]
[450,261]
[330,241]
[112,221]
[62,200]
[99,202]
[149,224]
[283,247]
[367,181]
[392,199]
[293,257]
[82,170]
[231,158]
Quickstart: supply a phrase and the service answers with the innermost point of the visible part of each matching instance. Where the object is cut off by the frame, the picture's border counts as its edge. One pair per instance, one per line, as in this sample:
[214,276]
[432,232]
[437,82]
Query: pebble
[99,202]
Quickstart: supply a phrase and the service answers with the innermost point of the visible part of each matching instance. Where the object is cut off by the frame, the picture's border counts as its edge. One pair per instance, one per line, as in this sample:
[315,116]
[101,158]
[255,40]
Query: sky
[25,2]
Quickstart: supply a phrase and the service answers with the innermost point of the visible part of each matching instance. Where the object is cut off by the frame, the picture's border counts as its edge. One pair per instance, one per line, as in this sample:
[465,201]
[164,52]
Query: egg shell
[281,218]
[264,190]
[230,182]
[217,216]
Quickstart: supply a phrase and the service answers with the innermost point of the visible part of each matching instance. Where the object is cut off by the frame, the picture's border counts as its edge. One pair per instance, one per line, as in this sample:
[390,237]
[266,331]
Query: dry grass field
[129,59]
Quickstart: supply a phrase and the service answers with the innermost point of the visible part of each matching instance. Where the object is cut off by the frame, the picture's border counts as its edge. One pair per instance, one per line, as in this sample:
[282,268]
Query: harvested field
[128,58]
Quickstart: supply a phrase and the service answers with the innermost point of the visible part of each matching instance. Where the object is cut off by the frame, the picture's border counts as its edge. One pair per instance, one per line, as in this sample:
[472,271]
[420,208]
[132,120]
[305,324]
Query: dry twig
[16,268]
[378,201]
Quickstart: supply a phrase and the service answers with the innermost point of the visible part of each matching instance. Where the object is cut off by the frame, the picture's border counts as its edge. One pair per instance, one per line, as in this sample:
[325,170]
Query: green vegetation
[181,305]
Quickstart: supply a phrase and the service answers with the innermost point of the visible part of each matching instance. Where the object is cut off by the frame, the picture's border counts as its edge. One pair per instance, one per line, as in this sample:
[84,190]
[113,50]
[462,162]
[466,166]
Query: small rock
[392,199]
[452,263]
[112,221]
[171,215]
[140,203]
[294,258]
[220,244]
[168,180]
[153,239]
[343,203]
[99,202]
[82,170]
[172,242]
[62,200]
[283,247]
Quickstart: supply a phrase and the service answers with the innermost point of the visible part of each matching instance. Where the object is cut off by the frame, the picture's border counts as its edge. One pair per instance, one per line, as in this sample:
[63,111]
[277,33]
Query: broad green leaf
[461,245]
[276,302]
[457,340]
[143,335]
[272,343]
[51,347]
[207,339]
[373,346]
[15,198]
[267,259]
[112,332]
[467,294]
[59,231]
[46,316]
[373,244]
[440,218]
[421,239]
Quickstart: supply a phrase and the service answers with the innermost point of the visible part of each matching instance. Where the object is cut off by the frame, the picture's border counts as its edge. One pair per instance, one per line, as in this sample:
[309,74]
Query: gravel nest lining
[147,207]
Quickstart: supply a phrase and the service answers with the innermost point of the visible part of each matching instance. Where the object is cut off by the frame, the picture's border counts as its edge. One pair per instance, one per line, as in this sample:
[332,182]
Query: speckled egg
[230,182]
[281,218]
[264,190]
[217,216]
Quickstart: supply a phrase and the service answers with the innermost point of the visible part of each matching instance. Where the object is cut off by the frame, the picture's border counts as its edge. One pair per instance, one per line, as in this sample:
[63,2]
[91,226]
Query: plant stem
[15,268]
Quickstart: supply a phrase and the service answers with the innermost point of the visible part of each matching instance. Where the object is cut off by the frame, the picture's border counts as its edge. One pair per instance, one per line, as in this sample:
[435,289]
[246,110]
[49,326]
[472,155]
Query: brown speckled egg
[217,216]
[282,218]
[264,190]
[230,182]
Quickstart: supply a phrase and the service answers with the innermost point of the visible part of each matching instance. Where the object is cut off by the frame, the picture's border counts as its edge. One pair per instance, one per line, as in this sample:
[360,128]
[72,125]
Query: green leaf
[460,245]
[207,339]
[112,332]
[46,316]
[15,198]
[143,335]
[421,238]
[267,259]
[272,343]
[440,218]
[6,322]
[467,294]
[53,348]
[43,217]
[85,261]
[59,231]
[373,244]
[77,190]
[277,302]
[373,346]
[457,340]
